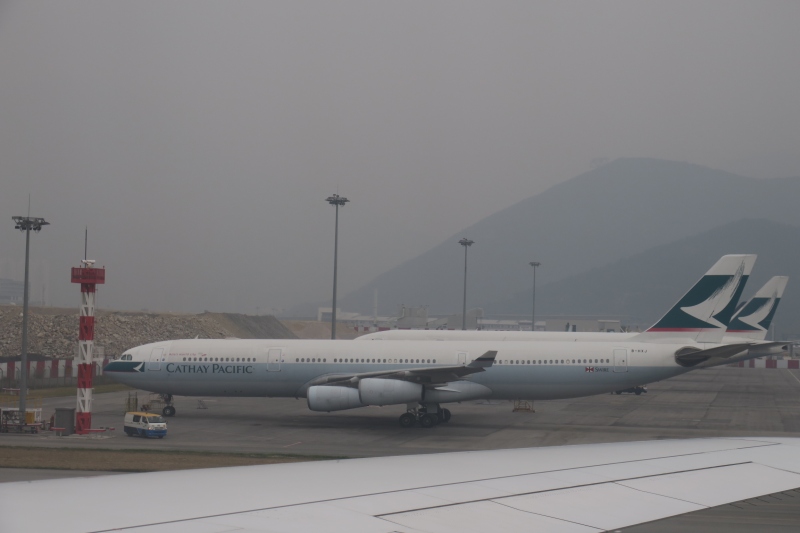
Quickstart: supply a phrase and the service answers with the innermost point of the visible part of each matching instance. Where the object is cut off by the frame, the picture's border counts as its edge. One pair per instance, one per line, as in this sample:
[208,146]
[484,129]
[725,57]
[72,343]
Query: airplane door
[274,357]
[156,358]
[620,360]
[462,358]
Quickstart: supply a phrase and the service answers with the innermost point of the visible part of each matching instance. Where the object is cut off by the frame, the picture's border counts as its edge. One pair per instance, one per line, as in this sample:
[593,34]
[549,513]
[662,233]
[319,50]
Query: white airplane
[751,321]
[422,375]
[561,489]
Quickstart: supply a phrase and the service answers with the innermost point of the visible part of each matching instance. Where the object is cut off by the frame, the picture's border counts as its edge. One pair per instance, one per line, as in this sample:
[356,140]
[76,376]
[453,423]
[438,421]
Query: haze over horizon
[198,141]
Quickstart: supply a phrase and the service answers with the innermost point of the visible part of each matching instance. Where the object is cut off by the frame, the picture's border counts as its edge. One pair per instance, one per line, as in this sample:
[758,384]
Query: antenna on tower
[85,242]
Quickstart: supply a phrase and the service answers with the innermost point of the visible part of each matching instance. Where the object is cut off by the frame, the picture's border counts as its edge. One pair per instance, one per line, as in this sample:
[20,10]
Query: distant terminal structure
[418,318]
[89,278]
[11,291]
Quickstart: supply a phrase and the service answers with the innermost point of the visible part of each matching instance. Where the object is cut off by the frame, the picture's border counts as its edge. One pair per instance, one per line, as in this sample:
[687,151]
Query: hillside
[645,285]
[53,332]
[591,221]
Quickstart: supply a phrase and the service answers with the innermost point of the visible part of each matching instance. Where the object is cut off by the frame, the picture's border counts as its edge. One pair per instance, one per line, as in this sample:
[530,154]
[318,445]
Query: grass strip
[136,460]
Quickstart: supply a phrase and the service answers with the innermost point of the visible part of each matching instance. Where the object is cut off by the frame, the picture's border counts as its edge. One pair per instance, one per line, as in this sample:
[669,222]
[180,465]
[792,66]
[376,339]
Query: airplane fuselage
[287,368]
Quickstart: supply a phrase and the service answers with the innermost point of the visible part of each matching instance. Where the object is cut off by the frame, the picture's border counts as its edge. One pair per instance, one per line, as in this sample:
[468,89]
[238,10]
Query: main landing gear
[169,409]
[426,415]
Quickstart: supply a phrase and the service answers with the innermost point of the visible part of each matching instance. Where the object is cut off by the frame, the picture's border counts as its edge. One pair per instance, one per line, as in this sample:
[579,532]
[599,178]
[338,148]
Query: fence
[50,373]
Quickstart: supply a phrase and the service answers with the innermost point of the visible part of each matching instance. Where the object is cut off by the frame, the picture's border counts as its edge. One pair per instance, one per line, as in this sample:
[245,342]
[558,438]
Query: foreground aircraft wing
[584,488]
[432,375]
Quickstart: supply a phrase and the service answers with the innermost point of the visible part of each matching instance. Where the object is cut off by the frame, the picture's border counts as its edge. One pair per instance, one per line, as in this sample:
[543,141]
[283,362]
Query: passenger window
[136,418]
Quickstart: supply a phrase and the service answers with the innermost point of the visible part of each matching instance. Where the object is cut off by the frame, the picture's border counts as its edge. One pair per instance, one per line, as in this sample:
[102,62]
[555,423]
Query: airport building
[418,318]
[11,292]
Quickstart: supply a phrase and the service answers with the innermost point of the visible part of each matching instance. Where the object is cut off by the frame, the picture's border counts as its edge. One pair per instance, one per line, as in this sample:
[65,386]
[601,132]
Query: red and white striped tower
[89,277]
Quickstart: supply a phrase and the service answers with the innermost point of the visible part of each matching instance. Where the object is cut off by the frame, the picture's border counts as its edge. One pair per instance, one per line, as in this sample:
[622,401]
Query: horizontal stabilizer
[691,356]
[769,348]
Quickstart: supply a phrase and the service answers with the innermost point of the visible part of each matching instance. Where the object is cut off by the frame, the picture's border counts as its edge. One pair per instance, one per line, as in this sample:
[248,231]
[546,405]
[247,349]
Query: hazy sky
[199,140]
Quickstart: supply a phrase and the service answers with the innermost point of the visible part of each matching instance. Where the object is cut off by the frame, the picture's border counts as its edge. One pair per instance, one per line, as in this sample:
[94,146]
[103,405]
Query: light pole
[534,264]
[466,243]
[337,201]
[26,224]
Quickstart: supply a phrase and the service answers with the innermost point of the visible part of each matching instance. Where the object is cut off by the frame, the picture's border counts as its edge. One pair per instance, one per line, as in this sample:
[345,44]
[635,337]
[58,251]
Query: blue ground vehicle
[145,424]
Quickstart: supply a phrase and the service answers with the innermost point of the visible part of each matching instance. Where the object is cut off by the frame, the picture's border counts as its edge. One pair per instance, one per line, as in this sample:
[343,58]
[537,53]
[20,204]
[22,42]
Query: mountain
[595,219]
[645,285]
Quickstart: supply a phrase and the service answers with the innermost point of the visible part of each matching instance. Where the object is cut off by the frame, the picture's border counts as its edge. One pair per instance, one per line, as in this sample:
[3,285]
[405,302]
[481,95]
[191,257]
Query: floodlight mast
[466,243]
[26,224]
[534,264]
[336,201]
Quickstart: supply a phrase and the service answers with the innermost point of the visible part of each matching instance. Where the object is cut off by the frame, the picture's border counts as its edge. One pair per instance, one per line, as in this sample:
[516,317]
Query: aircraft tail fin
[703,313]
[752,320]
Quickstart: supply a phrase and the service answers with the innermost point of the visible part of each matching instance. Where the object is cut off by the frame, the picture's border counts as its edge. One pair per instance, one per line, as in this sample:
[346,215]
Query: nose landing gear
[426,415]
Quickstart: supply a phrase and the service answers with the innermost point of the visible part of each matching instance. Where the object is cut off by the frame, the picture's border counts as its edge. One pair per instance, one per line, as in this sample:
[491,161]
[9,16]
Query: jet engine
[375,391]
[330,398]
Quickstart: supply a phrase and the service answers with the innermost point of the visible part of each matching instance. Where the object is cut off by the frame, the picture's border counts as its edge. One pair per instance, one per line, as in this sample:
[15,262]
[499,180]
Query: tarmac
[717,402]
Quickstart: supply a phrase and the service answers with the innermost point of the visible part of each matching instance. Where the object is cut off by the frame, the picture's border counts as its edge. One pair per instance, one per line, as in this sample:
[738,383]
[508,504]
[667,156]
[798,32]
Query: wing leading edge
[426,375]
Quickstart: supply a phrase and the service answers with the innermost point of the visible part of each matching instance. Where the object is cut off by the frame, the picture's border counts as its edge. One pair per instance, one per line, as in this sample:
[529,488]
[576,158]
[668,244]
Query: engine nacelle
[457,391]
[330,398]
[375,391]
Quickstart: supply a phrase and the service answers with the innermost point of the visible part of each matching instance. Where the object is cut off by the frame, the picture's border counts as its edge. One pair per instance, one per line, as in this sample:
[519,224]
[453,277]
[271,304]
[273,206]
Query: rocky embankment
[53,332]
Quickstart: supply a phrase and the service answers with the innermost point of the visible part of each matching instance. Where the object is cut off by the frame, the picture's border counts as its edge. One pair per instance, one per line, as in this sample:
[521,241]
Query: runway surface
[706,403]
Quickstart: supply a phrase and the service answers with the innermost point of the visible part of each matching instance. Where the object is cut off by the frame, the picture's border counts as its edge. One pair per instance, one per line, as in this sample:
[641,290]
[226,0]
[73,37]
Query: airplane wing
[584,488]
[424,375]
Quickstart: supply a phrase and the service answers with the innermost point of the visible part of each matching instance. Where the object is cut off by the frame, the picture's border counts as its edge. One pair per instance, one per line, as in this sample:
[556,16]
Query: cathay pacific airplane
[423,375]
[751,321]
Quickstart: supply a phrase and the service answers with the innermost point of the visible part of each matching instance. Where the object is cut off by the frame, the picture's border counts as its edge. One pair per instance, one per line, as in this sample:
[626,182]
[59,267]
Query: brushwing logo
[757,319]
[139,367]
[709,305]
[718,301]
